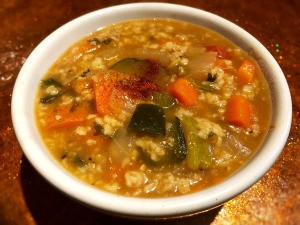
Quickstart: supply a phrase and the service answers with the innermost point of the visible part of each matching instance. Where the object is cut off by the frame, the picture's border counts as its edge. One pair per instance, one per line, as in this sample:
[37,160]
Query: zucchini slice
[163,100]
[131,66]
[198,149]
[179,146]
[148,119]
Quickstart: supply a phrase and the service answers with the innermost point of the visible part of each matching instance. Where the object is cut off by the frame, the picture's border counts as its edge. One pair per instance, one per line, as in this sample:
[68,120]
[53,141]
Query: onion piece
[160,57]
[201,63]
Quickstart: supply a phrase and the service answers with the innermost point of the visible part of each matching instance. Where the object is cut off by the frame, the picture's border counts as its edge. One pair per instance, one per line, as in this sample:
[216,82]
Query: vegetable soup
[153,108]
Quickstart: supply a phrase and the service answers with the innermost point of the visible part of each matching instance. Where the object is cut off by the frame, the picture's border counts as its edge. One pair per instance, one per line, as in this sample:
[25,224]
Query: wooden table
[27,199]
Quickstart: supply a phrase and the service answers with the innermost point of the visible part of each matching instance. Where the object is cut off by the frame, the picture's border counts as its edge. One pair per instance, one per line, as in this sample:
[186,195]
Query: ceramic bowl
[55,44]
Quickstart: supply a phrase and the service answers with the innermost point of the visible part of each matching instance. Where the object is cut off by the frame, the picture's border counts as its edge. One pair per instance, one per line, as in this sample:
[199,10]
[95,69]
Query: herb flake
[212,77]
[51,81]
[50,98]
[107,40]
[98,129]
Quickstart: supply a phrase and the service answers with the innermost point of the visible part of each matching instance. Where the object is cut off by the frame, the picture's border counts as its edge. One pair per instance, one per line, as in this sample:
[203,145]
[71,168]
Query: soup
[153,108]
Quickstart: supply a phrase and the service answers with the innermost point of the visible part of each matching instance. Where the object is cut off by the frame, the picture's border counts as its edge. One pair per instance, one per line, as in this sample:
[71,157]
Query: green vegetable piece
[140,67]
[205,87]
[179,146]
[50,98]
[149,119]
[198,156]
[131,66]
[163,100]
[51,81]
[198,149]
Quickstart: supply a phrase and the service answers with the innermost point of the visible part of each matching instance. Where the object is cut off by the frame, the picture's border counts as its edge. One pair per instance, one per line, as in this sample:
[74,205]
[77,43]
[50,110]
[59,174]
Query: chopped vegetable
[149,69]
[245,72]
[161,57]
[149,119]
[179,146]
[200,63]
[62,117]
[51,81]
[163,100]
[222,53]
[198,149]
[131,66]
[184,91]
[102,92]
[205,87]
[50,98]
[238,111]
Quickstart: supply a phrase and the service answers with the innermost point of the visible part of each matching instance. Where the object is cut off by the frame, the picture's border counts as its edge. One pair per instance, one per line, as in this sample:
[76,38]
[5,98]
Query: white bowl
[55,44]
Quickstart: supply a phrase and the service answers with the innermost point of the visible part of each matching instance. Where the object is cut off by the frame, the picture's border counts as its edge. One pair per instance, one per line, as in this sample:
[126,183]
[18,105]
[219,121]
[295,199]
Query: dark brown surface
[26,199]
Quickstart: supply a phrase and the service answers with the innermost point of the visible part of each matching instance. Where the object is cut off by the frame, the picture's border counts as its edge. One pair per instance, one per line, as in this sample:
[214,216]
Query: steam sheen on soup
[153,108]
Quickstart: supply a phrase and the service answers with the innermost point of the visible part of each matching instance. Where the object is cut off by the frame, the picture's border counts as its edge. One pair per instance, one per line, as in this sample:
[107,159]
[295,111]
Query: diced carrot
[238,111]
[222,53]
[63,117]
[102,92]
[245,72]
[184,91]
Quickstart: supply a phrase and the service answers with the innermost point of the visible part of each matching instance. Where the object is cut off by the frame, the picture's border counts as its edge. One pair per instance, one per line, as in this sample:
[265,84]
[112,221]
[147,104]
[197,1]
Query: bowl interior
[55,44]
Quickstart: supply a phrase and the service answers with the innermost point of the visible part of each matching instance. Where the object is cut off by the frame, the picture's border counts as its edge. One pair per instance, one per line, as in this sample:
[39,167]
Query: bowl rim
[23,118]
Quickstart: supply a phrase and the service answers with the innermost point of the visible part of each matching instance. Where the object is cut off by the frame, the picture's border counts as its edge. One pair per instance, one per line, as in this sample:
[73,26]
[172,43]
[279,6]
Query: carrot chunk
[245,72]
[238,111]
[62,117]
[184,91]
[102,92]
